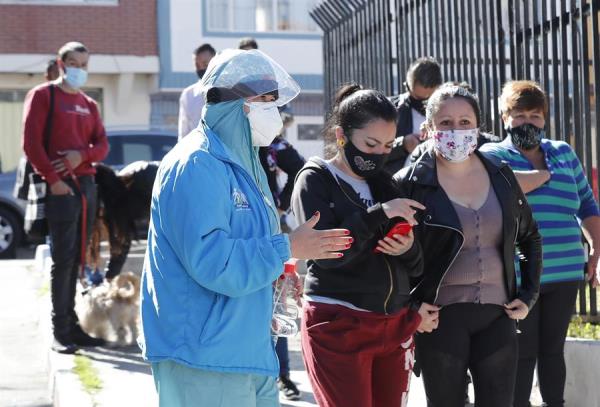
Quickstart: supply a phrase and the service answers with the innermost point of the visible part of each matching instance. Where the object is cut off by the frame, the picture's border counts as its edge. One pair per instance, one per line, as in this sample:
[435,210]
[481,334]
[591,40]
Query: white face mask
[265,122]
[455,145]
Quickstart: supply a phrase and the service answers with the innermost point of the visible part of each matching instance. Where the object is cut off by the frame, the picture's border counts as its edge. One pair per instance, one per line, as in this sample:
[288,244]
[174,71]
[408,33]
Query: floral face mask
[455,145]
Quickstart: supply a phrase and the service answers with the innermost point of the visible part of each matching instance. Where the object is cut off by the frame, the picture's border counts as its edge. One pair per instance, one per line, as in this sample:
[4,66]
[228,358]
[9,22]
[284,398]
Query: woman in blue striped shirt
[563,205]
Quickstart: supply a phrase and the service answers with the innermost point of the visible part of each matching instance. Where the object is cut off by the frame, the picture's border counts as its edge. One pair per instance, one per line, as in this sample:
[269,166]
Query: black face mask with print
[526,136]
[362,164]
[418,104]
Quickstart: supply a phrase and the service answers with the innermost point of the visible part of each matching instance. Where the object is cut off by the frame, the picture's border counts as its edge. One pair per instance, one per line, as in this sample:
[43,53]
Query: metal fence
[555,42]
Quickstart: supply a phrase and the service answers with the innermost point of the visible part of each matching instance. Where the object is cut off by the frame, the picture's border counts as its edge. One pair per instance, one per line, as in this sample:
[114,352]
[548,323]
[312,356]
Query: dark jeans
[64,222]
[477,337]
[542,339]
[284,358]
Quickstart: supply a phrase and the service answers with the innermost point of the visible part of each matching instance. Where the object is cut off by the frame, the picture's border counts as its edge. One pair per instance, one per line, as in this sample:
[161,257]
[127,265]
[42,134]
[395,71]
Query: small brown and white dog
[111,310]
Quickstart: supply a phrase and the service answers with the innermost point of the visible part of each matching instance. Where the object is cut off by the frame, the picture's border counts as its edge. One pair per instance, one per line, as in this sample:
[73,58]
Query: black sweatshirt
[375,282]
[281,155]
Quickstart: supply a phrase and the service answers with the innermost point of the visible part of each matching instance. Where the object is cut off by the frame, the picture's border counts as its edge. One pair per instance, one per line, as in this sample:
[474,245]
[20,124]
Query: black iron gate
[357,44]
[555,42]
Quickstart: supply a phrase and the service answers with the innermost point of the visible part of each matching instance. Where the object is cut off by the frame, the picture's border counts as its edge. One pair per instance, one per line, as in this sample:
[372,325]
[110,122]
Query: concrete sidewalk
[33,376]
[24,361]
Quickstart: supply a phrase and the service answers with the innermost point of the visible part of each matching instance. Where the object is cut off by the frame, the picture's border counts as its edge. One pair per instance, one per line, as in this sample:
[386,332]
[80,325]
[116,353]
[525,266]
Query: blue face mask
[75,77]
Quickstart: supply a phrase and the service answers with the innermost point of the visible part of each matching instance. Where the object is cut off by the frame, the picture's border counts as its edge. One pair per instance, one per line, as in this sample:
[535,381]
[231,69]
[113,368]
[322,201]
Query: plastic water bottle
[285,306]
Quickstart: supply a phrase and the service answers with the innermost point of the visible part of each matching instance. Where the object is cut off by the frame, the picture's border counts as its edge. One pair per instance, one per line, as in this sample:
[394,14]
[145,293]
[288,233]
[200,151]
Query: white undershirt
[359,186]
[417,120]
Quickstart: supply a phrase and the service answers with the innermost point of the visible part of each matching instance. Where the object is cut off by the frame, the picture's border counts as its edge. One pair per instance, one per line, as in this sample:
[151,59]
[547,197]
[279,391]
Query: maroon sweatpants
[356,358]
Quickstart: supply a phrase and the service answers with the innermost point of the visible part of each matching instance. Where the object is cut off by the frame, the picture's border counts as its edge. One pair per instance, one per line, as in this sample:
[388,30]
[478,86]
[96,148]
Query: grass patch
[578,328]
[88,375]
[44,289]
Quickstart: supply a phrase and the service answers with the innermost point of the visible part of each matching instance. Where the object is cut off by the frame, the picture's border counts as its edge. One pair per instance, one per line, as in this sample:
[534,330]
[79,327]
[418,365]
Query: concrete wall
[126,97]
[300,54]
[583,373]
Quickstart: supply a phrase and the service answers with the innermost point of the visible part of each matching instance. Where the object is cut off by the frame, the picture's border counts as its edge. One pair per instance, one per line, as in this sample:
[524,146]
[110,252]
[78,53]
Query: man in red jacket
[75,141]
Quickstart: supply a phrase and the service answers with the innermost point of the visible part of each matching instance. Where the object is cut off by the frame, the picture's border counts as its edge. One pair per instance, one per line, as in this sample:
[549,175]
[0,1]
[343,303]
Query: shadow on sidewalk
[127,358]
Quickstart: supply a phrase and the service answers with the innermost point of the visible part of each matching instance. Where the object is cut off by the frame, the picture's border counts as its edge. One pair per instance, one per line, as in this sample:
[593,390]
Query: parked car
[126,146]
[12,213]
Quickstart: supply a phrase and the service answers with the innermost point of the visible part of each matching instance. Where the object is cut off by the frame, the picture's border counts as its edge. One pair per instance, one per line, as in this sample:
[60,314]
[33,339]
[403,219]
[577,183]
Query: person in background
[247,43]
[52,71]
[563,204]
[476,217]
[423,77]
[282,156]
[358,320]
[191,100]
[279,157]
[76,141]
[215,247]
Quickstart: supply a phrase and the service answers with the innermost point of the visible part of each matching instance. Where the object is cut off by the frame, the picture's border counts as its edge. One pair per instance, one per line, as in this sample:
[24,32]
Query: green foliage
[584,330]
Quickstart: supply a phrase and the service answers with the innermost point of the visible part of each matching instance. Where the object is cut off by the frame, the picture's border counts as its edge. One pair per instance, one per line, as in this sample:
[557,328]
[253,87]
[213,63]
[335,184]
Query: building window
[63,2]
[261,16]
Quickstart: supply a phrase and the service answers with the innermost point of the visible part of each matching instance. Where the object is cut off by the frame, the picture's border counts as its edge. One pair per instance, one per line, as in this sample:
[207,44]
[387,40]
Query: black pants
[64,222]
[542,339]
[283,355]
[477,337]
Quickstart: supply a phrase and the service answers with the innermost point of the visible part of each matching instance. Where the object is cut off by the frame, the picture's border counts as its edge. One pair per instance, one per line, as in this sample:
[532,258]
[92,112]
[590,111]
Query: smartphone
[400,228]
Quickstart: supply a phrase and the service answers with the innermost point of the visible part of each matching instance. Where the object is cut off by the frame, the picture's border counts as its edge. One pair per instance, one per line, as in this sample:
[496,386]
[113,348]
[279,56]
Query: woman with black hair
[476,217]
[358,322]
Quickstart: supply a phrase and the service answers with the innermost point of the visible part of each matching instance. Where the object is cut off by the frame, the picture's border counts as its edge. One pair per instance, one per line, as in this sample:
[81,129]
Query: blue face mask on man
[75,77]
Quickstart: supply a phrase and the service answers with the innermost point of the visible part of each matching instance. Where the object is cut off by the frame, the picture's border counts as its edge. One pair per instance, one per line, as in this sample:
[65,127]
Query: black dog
[123,211]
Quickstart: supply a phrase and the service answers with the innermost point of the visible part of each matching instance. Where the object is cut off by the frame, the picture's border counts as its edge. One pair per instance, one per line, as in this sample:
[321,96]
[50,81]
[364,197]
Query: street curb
[67,391]
[64,386]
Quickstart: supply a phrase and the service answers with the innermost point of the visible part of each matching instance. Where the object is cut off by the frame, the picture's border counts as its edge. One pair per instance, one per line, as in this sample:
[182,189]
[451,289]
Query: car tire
[11,233]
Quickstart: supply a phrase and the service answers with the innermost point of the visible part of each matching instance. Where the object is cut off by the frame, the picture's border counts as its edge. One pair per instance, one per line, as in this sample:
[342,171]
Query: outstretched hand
[309,243]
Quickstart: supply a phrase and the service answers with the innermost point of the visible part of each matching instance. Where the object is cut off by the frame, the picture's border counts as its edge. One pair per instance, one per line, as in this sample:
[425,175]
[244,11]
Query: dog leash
[83,218]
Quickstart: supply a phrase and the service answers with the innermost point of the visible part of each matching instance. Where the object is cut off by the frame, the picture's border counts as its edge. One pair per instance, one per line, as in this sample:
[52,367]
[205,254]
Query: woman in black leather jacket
[476,216]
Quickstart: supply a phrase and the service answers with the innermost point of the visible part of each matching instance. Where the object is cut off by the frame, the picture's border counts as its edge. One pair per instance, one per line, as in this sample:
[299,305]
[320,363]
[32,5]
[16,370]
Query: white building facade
[282,28]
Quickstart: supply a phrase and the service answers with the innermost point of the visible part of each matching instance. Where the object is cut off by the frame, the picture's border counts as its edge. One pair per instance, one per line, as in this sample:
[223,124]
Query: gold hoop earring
[341,143]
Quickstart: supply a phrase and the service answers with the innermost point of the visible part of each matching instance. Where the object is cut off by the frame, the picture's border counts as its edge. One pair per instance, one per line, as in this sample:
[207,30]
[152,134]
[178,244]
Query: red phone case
[400,228]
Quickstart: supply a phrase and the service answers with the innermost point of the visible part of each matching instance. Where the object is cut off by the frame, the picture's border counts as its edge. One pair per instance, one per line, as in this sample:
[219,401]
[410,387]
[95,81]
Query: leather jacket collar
[424,171]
